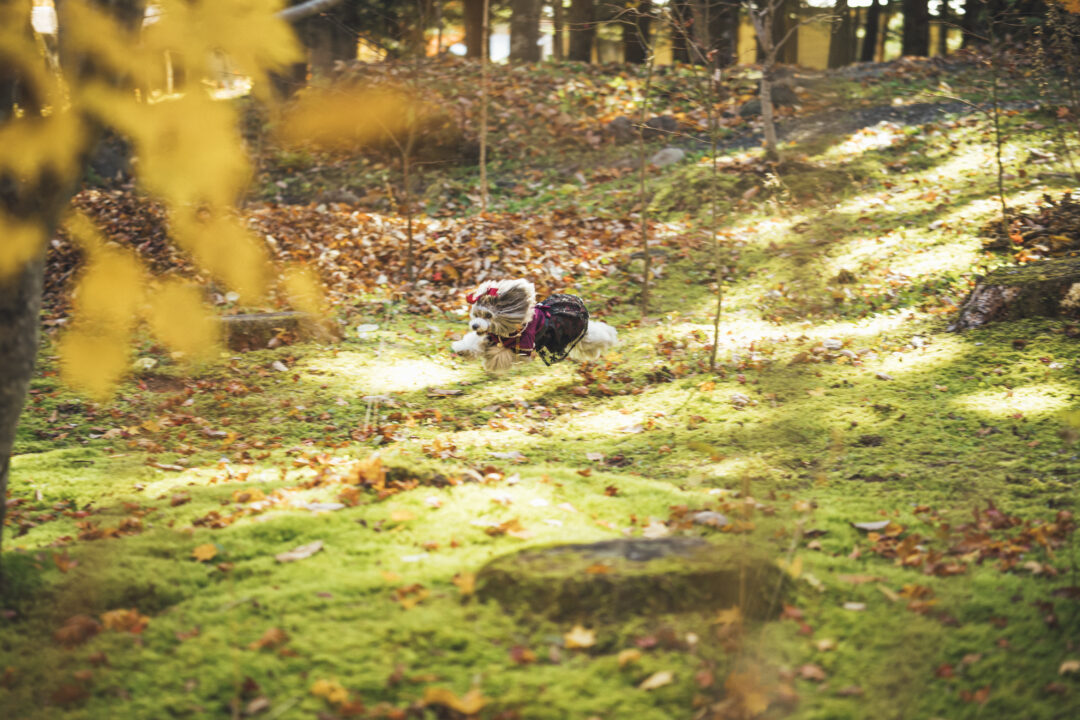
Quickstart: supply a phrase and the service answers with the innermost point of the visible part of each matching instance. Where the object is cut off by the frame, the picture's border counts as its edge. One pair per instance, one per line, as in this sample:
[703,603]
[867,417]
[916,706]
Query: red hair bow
[471,297]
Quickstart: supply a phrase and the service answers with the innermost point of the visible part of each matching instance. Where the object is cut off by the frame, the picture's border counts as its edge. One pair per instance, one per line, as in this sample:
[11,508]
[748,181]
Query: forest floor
[918,486]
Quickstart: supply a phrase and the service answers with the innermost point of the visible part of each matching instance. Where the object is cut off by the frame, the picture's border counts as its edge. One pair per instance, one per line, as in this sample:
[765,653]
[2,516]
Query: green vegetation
[840,399]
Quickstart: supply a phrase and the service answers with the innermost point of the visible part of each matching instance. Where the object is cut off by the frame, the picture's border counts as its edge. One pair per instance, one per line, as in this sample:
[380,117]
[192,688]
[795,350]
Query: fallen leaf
[270,639]
[579,637]
[1068,667]
[125,621]
[76,630]
[657,680]
[812,672]
[470,703]
[630,655]
[205,552]
[299,553]
[466,583]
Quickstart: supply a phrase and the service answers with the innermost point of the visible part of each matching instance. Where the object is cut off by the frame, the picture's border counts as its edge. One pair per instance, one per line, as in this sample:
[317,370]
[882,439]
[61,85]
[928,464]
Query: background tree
[558,21]
[474,28]
[48,130]
[868,52]
[915,36]
[635,34]
[525,30]
[842,37]
[582,21]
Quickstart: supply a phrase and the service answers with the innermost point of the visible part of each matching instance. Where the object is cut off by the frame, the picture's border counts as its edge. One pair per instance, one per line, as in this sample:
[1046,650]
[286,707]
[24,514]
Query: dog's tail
[599,338]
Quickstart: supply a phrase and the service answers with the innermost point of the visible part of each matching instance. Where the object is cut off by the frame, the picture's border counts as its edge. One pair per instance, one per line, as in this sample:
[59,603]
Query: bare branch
[296,13]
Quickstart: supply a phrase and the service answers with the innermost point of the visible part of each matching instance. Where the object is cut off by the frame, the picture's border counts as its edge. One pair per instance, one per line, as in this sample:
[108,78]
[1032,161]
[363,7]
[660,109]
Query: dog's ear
[518,293]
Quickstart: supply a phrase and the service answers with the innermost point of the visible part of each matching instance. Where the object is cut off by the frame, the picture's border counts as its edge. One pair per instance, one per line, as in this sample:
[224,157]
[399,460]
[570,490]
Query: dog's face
[501,308]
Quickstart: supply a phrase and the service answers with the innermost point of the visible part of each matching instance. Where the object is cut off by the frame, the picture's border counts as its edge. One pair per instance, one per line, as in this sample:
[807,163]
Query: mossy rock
[1049,288]
[618,578]
[255,331]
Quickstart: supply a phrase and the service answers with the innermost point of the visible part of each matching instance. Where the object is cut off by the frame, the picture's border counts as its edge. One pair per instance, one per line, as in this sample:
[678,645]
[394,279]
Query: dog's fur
[501,310]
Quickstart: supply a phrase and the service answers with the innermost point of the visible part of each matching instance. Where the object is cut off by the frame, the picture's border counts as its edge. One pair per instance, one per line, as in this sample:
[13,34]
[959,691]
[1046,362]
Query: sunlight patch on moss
[1038,400]
[386,375]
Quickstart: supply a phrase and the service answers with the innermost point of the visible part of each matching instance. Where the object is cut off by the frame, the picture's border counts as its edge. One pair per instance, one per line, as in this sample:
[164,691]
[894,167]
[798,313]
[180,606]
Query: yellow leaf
[1068,667]
[579,637]
[336,119]
[304,291]
[204,552]
[331,690]
[657,680]
[401,515]
[793,568]
[731,616]
[466,583]
[92,363]
[470,703]
[131,621]
[109,293]
[628,656]
[179,319]
[22,241]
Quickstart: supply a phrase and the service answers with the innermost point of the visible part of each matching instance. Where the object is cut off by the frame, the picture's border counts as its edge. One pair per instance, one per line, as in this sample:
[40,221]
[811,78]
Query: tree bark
[39,200]
[474,29]
[944,18]
[525,30]
[635,33]
[870,35]
[582,30]
[915,38]
[682,18]
[784,19]
[724,33]
[841,50]
[557,22]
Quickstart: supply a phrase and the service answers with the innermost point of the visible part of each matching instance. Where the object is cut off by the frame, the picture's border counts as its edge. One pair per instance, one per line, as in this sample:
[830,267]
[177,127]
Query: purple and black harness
[558,324]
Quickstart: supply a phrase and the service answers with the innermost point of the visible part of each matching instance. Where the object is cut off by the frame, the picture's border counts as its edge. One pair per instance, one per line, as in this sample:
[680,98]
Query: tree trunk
[784,20]
[582,30]
[525,30]
[915,39]
[474,29]
[944,19]
[873,20]
[40,201]
[635,33]
[841,51]
[724,34]
[681,35]
[557,49]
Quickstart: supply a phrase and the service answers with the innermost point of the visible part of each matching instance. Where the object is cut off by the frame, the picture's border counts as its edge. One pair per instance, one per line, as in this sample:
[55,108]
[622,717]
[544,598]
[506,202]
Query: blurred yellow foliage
[190,156]
[178,317]
[304,291]
[337,119]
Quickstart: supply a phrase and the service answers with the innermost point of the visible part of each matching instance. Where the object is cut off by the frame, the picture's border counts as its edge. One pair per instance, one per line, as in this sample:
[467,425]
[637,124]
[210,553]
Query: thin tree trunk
[943,29]
[484,111]
[681,34]
[886,18]
[642,196]
[557,29]
[870,35]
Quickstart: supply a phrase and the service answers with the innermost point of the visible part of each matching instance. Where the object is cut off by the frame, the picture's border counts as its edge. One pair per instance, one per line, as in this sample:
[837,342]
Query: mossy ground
[912,425]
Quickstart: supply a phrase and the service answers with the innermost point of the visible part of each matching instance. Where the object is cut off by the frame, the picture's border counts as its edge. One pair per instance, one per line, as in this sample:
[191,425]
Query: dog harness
[557,326]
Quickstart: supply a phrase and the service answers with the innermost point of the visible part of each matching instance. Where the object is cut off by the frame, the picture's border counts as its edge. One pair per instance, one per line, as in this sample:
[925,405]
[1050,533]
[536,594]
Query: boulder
[667,156]
[660,126]
[614,579]
[1049,288]
[622,129]
[782,96]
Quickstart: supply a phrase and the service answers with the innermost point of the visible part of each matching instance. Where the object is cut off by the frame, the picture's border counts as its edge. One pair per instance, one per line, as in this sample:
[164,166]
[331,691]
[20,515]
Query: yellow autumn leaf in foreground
[579,637]
[466,583]
[731,616]
[470,703]
[131,621]
[657,680]
[204,552]
[331,690]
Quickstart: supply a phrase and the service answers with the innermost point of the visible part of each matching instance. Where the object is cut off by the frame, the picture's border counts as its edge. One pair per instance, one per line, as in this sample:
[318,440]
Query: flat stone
[619,578]
[667,156]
